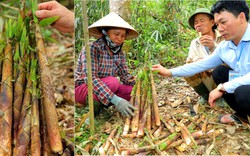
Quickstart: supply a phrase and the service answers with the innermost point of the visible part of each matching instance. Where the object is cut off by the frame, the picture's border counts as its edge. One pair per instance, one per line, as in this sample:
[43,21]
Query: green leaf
[17,54]
[48,21]
[33,9]
[19,27]
[33,70]
[50,39]
[2,46]
[30,48]
[155,72]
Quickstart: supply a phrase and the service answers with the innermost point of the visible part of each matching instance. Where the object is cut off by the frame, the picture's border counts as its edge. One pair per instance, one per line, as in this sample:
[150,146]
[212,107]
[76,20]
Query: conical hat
[112,20]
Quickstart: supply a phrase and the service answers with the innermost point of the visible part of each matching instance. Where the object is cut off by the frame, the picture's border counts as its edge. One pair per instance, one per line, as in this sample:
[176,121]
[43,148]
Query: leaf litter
[216,139]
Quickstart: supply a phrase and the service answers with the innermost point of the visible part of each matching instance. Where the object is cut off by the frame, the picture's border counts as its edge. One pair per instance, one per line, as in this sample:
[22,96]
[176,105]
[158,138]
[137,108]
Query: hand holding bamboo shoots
[161,70]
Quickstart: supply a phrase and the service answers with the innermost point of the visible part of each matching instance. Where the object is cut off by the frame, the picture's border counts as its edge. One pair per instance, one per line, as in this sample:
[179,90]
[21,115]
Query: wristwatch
[220,88]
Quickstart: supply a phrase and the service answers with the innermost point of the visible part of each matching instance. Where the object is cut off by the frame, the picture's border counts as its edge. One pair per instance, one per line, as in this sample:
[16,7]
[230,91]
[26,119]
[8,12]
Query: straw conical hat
[112,20]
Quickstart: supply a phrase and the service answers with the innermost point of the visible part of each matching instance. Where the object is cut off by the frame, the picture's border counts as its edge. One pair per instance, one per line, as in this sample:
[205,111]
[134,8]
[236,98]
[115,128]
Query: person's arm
[230,86]
[52,8]
[190,69]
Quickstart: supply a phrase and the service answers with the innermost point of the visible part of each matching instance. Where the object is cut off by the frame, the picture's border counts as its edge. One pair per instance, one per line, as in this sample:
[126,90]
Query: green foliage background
[164,31]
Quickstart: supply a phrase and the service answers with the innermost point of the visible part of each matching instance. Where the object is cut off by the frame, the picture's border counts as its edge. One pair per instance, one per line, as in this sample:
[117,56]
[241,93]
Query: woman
[108,63]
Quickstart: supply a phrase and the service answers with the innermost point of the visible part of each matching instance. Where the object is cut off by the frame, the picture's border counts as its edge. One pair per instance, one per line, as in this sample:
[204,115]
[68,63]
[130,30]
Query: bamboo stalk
[135,120]
[137,150]
[182,147]
[204,126]
[48,95]
[118,134]
[174,144]
[143,97]
[155,102]
[102,151]
[143,122]
[168,126]
[23,133]
[6,98]
[45,142]
[128,120]
[83,119]
[18,97]
[157,133]
[35,148]
[107,144]
[149,134]
[186,134]
[163,144]
[148,123]
[133,135]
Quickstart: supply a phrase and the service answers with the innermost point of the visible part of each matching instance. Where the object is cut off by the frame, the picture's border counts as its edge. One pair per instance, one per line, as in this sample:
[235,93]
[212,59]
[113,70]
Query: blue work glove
[123,106]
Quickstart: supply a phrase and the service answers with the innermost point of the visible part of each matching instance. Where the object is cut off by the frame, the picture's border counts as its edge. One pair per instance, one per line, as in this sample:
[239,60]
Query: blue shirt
[236,57]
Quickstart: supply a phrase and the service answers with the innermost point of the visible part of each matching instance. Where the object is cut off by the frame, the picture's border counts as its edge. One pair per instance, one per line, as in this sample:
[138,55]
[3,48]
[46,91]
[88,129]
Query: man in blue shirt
[233,80]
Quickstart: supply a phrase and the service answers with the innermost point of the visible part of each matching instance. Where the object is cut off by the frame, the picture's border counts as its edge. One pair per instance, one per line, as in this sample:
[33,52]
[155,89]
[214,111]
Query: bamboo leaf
[30,48]
[33,9]
[24,42]
[162,146]
[33,70]
[16,55]
[50,39]
[2,45]
[18,28]
[48,21]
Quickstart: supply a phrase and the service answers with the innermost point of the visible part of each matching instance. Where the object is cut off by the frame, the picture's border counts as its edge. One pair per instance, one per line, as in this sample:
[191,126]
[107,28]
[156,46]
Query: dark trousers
[240,99]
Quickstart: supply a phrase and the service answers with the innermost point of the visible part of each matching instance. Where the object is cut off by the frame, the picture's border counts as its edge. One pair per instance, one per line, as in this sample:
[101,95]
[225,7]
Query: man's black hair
[233,6]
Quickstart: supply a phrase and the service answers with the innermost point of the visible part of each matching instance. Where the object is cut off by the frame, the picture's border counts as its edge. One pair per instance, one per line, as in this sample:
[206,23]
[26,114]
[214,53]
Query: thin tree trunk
[89,70]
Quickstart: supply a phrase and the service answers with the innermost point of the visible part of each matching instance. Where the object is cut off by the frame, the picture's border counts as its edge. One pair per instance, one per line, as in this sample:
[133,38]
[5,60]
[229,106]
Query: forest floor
[172,101]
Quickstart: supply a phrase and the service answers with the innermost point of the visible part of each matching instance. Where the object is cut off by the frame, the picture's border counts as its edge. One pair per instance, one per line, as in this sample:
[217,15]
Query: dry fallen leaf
[176,103]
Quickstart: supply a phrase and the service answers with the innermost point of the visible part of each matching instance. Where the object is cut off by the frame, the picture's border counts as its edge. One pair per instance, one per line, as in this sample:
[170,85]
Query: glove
[123,106]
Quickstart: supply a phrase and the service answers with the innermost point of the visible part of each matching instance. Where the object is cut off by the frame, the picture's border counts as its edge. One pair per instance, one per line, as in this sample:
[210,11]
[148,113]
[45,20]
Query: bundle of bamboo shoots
[28,121]
[144,98]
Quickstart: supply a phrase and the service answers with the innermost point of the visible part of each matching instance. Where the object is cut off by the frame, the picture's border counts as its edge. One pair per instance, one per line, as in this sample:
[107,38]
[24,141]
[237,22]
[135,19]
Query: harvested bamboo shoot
[155,102]
[6,97]
[48,95]
[135,120]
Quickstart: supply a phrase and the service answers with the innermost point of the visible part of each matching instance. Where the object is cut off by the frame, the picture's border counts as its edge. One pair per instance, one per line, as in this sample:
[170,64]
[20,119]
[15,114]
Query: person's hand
[161,70]
[208,41]
[49,9]
[213,96]
[123,106]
